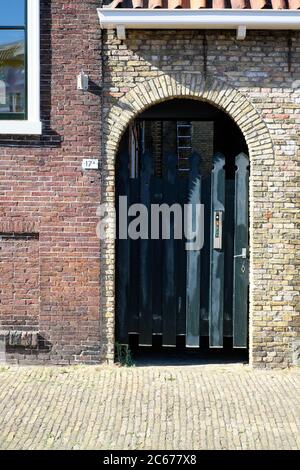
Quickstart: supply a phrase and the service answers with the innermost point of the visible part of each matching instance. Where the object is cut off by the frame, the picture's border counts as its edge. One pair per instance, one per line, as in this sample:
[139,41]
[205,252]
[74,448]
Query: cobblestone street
[190,407]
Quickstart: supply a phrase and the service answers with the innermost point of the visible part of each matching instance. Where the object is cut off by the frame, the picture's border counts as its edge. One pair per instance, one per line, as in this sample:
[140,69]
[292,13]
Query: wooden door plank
[228,256]
[241,263]
[217,253]
[134,293]
[205,257]
[169,280]
[193,259]
[156,255]
[180,260]
[145,318]
[122,258]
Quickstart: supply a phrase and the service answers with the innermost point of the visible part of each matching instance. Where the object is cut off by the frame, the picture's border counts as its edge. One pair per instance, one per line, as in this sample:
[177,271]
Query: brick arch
[211,90]
[127,108]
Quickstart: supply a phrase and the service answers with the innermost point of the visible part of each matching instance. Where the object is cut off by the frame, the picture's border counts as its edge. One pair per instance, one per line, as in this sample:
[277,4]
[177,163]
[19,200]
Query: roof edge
[203,18]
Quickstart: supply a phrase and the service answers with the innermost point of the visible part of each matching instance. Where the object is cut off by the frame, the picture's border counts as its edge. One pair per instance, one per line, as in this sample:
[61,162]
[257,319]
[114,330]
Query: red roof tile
[216,4]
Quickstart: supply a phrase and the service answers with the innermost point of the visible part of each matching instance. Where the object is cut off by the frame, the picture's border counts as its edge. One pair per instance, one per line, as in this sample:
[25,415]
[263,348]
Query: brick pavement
[183,407]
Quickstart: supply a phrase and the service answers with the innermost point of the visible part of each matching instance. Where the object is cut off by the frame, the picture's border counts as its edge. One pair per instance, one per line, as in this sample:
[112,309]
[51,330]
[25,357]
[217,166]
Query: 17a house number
[90,164]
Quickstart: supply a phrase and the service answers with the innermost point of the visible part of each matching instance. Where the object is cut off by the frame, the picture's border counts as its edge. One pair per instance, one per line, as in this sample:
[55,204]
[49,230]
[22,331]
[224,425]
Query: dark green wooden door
[164,289]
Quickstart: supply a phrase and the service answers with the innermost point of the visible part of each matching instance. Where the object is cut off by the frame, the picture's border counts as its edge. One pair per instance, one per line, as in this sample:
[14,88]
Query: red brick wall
[44,191]
[19,282]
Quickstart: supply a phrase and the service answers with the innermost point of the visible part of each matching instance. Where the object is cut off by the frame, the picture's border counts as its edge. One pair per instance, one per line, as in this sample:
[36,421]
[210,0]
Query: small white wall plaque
[82,81]
[90,164]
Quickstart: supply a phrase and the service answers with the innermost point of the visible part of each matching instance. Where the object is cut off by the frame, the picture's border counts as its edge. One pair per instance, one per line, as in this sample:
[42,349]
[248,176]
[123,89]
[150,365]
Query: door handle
[243,254]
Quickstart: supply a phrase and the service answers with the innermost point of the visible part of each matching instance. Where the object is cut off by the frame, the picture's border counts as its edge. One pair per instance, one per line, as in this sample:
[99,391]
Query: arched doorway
[184,151]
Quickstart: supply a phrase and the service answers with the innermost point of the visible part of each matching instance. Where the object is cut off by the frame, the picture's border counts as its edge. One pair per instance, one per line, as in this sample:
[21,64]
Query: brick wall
[202,141]
[255,81]
[43,190]
[19,282]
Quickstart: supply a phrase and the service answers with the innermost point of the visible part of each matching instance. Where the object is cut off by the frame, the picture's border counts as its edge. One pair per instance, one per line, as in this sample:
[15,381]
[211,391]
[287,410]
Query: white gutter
[129,18]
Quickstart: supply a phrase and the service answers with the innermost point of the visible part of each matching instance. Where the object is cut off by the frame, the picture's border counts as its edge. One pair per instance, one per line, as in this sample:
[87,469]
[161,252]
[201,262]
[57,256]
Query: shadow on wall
[22,343]
[145,54]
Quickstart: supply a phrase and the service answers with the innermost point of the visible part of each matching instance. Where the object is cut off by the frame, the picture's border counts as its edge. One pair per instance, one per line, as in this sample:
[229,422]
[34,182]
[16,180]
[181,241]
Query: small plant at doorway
[123,355]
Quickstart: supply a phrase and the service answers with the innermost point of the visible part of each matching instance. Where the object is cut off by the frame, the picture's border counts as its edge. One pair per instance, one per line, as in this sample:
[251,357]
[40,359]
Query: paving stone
[164,408]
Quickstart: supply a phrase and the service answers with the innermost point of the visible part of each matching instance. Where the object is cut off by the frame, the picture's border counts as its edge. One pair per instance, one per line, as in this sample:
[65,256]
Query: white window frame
[32,125]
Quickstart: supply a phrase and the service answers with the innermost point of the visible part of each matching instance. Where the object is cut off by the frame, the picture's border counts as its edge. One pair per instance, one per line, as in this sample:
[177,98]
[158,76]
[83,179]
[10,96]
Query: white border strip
[33,60]
[31,126]
[198,19]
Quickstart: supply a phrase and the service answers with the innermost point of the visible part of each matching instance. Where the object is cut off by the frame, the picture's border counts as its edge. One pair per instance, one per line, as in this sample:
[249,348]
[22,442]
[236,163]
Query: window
[12,60]
[19,67]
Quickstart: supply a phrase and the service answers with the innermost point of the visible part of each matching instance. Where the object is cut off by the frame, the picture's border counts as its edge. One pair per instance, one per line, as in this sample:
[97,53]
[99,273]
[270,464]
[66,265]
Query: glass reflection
[12,13]
[12,72]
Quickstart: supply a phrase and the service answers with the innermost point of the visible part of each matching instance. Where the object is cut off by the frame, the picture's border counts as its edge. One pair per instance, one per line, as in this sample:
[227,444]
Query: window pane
[12,72]
[12,12]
